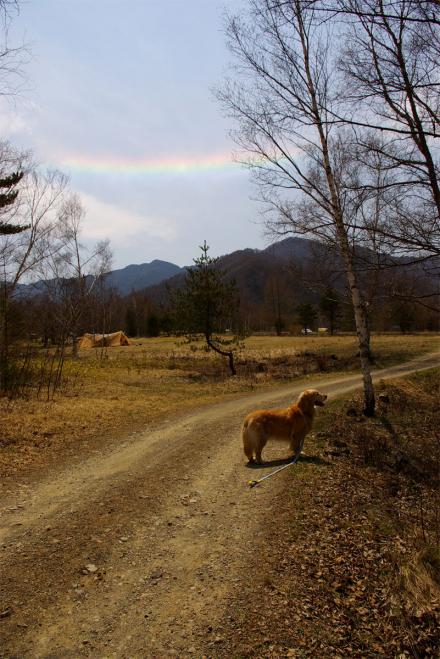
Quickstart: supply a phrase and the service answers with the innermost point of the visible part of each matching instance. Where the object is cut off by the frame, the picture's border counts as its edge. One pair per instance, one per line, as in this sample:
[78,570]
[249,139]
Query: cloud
[121,226]
[12,123]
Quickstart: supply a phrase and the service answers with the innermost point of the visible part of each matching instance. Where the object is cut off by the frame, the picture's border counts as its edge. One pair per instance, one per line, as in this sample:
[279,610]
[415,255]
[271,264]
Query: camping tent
[103,340]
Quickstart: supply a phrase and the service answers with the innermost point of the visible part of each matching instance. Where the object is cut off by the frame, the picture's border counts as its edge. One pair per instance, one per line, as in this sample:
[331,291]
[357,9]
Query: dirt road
[137,551]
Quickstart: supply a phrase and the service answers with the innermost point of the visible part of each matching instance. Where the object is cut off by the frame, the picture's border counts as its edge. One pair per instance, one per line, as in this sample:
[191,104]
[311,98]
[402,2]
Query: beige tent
[103,340]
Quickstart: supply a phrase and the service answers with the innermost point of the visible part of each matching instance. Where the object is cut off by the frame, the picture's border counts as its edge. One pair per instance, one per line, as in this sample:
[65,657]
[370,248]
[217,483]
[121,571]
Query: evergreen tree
[167,324]
[404,315]
[279,325]
[131,322]
[207,305]
[153,328]
[7,198]
[306,315]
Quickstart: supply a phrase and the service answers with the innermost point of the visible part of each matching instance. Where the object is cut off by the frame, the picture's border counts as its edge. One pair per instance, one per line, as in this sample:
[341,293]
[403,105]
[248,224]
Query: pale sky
[118,95]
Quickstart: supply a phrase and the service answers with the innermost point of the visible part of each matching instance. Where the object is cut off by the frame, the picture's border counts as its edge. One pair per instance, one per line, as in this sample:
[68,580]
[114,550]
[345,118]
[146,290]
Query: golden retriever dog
[290,425]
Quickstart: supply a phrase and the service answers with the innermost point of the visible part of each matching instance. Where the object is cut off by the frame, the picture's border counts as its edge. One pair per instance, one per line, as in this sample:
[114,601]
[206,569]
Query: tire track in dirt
[170,526]
[148,563]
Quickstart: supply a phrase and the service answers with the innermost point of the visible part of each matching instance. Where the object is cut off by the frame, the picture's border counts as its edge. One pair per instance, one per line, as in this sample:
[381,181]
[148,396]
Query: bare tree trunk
[74,346]
[361,321]
[362,326]
[4,342]
[3,355]
[363,334]
[360,315]
[226,353]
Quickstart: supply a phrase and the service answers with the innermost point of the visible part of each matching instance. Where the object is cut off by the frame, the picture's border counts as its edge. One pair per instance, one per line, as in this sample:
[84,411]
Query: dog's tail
[247,444]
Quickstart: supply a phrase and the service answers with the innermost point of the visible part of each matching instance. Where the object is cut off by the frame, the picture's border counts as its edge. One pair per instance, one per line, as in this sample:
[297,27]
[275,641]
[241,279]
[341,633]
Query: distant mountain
[293,248]
[257,272]
[282,275]
[124,281]
[137,277]
[296,270]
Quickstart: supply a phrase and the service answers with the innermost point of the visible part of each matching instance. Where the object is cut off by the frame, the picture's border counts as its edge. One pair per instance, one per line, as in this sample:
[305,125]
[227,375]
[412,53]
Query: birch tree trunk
[360,315]
[283,102]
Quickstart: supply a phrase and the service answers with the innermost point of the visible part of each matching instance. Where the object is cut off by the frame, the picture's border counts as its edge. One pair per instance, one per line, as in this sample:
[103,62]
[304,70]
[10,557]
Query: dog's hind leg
[258,458]
[260,444]
[249,453]
[247,444]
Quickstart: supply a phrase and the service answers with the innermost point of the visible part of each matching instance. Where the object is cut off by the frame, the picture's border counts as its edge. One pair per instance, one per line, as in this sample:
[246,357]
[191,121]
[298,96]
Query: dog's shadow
[309,459]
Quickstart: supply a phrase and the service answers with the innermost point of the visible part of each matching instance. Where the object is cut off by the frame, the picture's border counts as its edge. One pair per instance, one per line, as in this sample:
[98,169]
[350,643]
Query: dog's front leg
[296,443]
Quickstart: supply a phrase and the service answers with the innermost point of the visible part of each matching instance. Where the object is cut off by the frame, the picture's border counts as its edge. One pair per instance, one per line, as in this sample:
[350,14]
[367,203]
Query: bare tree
[12,57]
[74,274]
[393,89]
[284,105]
[22,253]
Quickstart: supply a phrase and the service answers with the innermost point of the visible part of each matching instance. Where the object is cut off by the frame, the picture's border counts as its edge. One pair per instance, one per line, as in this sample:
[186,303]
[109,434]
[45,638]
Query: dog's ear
[311,397]
[307,398]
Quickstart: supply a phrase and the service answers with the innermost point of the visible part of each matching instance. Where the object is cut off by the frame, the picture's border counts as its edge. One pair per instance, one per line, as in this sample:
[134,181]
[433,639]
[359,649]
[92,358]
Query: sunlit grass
[172,353]
[108,393]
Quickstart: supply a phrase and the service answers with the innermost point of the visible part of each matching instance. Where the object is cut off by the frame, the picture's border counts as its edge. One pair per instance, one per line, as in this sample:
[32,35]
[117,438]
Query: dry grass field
[110,393]
[147,544]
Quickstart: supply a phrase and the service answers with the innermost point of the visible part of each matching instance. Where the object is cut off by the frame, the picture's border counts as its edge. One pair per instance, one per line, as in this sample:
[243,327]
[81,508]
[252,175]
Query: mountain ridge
[281,265]
[133,276]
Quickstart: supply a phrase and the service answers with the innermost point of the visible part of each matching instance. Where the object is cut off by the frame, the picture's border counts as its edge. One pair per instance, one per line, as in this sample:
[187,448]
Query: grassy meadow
[112,392]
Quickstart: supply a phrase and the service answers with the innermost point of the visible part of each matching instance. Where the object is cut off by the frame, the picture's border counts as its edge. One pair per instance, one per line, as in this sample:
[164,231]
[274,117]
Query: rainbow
[172,165]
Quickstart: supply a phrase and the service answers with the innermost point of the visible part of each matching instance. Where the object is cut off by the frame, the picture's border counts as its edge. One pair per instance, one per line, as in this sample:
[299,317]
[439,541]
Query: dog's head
[311,397]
